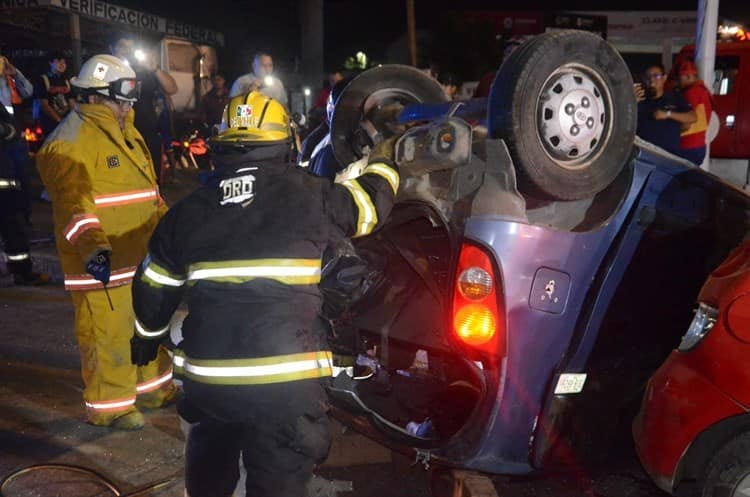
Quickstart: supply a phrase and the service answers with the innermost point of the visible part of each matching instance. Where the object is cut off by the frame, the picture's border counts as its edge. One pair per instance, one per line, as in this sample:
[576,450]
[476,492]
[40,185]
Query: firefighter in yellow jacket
[106,203]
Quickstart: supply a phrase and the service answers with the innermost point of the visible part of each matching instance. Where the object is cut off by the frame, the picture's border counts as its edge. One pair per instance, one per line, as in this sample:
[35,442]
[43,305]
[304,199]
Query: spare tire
[564,104]
[367,108]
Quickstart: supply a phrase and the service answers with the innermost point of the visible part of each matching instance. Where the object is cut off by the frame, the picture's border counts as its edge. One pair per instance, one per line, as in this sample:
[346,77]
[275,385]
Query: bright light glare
[268,80]
[306,90]
[139,55]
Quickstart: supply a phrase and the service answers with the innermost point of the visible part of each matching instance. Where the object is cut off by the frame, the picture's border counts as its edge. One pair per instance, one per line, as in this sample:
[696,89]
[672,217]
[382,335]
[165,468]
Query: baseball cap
[688,68]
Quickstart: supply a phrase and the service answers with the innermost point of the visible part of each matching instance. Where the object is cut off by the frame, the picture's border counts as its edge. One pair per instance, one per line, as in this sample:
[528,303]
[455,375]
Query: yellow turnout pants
[111,380]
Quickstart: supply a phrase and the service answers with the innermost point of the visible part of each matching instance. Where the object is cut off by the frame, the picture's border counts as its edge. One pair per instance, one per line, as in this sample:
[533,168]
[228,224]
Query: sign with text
[135,19]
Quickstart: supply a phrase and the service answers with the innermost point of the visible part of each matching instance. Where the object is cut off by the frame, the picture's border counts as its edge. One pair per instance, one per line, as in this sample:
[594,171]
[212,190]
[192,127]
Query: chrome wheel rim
[574,116]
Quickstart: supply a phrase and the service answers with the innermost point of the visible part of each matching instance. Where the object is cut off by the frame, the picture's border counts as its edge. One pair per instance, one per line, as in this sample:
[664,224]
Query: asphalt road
[42,422]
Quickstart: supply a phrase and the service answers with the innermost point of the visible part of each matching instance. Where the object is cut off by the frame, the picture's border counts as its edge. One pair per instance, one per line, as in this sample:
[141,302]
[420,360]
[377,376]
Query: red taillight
[477,320]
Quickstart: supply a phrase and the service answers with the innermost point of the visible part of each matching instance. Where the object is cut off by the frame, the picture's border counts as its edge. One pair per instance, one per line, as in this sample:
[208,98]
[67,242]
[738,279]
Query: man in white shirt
[261,79]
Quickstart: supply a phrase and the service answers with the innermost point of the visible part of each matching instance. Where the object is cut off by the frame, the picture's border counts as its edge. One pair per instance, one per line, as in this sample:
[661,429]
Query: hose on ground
[104,481]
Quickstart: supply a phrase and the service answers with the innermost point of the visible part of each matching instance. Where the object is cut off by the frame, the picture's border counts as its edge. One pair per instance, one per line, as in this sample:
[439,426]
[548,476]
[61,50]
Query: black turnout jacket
[245,251]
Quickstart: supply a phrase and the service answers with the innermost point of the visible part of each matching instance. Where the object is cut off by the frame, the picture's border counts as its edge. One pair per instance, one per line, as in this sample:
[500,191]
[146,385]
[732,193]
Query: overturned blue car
[540,263]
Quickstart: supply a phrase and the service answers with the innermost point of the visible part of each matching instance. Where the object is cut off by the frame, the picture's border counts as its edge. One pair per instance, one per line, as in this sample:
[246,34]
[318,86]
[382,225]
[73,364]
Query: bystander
[152,80]
[261,79]
[661,113]
[693,137]
[52,97]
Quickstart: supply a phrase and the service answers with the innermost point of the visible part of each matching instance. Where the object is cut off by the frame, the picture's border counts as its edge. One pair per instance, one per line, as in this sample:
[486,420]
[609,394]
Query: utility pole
[705,49]
[412,32]
[311,22]
[75,41]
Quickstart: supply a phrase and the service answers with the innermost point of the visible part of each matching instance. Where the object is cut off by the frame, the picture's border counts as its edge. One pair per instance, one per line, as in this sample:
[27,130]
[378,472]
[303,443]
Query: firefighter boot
[158,399]
[130,420]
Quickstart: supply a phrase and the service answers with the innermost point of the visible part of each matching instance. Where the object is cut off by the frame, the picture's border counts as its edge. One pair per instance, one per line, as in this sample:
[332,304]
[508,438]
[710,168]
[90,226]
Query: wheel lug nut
[574,130]
[590,122]
[585,102]
[569,109]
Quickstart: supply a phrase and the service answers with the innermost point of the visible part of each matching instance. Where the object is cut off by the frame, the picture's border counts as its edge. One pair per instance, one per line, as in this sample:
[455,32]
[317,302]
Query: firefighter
[15,208]
[245,251]
[106,204]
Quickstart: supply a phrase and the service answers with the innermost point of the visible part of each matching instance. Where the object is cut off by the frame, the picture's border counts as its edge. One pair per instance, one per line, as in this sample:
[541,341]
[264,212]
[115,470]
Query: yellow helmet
[253,119]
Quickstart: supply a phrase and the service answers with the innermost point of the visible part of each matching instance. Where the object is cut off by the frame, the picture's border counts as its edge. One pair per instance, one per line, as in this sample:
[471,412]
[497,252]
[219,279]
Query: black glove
[98,267]
[143,351]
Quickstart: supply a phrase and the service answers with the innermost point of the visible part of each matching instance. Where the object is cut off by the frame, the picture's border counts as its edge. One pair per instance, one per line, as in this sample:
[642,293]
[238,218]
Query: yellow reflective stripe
[259,371]
[384,171]
[367,215]
[141,330]
[160,276]
[287,271]
[155,383]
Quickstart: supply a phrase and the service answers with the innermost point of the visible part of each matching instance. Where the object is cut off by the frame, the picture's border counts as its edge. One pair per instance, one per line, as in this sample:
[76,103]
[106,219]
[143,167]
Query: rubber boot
[130,420]
[158,399]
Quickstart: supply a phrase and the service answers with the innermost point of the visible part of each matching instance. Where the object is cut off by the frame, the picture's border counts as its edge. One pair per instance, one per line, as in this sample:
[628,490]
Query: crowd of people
[675,119]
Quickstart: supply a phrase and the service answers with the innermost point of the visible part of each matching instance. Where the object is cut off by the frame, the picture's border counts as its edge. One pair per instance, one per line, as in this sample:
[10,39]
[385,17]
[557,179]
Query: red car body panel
[699,388]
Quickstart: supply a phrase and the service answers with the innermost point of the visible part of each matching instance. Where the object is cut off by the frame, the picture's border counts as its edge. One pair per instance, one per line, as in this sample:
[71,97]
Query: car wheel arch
[693,464]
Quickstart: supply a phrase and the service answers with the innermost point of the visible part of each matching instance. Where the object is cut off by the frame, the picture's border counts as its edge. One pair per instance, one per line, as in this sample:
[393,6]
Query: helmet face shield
[127,89]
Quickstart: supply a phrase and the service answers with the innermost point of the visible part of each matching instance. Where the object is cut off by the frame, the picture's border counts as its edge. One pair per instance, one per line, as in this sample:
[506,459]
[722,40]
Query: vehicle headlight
[704,320]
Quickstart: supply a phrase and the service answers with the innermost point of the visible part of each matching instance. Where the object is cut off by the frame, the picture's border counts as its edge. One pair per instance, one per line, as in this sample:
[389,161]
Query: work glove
[143,351]
[98,267]
[383,151]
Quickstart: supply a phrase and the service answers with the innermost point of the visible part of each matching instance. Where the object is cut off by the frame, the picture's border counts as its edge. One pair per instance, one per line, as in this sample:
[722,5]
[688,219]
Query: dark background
[371,26]
[468,50]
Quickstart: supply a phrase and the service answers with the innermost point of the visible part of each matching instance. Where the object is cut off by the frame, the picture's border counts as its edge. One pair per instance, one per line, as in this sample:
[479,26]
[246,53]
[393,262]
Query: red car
[692,433]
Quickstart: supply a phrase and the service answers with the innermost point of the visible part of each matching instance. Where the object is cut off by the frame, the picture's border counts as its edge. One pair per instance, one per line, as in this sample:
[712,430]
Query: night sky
[350,26]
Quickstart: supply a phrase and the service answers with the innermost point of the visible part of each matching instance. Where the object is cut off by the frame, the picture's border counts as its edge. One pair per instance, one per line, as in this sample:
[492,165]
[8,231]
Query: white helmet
[109,76]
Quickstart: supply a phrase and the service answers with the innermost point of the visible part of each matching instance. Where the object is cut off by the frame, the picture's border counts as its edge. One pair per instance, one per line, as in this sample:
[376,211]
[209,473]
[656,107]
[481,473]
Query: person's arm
[48,110]
[158,287]
[68,178]
[683,118]
[358,206]
[23,85]
[166,81]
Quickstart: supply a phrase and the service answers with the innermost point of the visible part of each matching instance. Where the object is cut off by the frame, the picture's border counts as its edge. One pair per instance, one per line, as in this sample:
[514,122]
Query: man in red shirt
[693,136]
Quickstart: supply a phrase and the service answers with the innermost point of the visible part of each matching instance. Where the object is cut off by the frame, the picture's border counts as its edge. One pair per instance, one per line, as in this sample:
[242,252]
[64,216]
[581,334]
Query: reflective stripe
[18,257]
[124,198]
[86,282]
[151,385]
[263,370]
[79,224]
[145,332]
[8,184]
[367,216]
[112,405]
[386,172]
[155,273]
[287,271]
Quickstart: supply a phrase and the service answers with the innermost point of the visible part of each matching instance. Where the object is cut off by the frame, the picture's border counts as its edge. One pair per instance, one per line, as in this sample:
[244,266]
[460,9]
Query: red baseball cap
[688,68]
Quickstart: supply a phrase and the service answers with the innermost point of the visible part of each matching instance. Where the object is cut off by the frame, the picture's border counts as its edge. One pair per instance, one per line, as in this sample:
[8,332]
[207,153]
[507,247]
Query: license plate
[570,383]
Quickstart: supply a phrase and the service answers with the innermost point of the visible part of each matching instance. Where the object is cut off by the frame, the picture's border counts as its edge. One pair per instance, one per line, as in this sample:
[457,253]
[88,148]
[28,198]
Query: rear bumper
[679,404]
